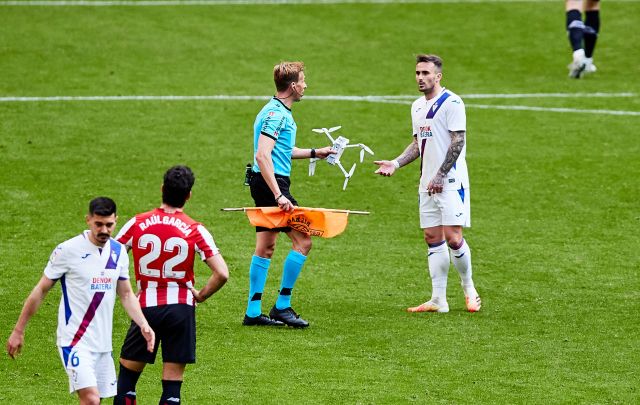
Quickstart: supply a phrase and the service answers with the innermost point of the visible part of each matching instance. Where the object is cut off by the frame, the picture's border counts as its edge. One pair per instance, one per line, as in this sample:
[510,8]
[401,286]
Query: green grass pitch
[555,200]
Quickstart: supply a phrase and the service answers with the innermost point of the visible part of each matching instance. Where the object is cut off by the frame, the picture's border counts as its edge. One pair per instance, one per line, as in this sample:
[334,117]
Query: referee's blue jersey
[276,122]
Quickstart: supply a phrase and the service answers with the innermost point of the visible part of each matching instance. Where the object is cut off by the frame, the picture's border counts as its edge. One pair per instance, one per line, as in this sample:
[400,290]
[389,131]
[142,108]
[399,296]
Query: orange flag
[321,222]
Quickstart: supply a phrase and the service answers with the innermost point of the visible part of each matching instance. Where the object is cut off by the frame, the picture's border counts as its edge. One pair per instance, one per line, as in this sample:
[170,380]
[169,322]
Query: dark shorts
[175,328]
[263,197]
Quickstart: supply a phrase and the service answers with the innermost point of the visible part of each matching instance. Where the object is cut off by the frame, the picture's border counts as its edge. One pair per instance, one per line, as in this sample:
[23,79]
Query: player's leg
[89,396]
[134,356]
[437,254]
[105,374]
[178,349]
[456,213]
[79,364]
[172,376]
[128,377]
[575,31]
[461,258]
[591,29]
[282,311]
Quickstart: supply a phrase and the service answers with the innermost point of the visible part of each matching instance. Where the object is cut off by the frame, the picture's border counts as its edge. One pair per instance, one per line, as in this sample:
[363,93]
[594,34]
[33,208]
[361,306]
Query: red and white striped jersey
[164,247]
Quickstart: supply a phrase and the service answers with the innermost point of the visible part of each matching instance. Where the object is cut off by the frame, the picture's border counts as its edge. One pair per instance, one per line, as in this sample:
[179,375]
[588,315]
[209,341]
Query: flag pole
[244,209]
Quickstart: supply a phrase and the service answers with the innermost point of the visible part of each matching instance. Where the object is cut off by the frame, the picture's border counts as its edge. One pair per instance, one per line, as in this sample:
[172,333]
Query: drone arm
[342,168]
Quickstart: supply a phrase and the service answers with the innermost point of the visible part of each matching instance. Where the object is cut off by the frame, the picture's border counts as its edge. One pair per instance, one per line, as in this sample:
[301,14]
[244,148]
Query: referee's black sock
[127,380]
[170,392]
[575,28]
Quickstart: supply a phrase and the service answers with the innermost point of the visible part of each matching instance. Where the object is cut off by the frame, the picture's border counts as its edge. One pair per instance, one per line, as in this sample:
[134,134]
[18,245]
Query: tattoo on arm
[457,143]
[410,154]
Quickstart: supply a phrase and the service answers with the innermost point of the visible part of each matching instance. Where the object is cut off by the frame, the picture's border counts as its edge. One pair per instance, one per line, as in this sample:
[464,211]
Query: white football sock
[438,260]
[461,259]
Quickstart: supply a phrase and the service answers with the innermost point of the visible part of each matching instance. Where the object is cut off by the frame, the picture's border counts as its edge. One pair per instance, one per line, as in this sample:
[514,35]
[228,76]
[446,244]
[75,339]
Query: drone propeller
[335,128]
[319,130]
[361,155]
[348,176]
[365,147]
[312,166]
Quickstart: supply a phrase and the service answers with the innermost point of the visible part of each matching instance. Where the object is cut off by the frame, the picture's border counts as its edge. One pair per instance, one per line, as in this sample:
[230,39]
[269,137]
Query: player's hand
[387,168]
[436,184]
[149,335]
[284,204]
[322,153]
[14,344]
[198,296]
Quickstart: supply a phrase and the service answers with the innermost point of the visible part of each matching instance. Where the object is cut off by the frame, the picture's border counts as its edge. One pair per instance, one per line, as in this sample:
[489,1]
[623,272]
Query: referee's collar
[280,101]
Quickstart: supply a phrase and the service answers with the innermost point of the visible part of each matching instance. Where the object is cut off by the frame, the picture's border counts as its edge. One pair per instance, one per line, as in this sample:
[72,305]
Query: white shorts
[90,369]
[451,207]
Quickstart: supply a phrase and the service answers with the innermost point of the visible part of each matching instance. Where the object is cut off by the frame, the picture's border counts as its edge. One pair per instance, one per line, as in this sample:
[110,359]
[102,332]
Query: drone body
[339,145]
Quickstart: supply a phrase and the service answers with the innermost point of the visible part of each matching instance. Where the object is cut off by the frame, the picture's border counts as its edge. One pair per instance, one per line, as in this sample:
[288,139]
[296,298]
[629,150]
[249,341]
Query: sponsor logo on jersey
[425,132]
[101,283]
[85,255]
[271,113]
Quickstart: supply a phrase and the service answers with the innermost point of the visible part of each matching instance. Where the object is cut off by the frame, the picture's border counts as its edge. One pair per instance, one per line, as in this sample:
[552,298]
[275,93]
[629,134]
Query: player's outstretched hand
[149,336]
[322,153]
[387,168]
[14,344]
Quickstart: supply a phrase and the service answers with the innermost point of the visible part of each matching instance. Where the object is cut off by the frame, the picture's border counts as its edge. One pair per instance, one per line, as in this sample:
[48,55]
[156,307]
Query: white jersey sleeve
[57,265]
[456,116]
[123,265]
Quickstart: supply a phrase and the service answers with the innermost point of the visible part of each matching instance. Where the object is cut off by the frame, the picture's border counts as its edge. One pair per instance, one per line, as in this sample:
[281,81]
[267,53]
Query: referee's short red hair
[286,73]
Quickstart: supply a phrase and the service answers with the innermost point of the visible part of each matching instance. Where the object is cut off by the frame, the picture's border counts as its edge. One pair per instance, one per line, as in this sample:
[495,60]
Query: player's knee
[432,237]
[454,240]
[266,251]
[89,397]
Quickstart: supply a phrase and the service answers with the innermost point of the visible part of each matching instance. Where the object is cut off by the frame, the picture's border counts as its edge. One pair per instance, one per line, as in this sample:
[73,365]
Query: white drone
[339,145]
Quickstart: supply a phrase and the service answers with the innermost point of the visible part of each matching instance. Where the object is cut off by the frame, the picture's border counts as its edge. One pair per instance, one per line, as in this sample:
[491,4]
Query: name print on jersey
[166,220]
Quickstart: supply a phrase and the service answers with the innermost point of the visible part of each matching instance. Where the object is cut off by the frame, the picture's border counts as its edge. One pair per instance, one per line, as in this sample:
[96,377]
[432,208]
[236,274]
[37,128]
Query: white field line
[553,109]
[373,99]
[311,97]
[152,3]
[178,3]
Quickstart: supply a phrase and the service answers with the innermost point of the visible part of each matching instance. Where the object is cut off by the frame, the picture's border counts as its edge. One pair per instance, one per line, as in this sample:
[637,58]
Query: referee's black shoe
[260,320]
[288,316]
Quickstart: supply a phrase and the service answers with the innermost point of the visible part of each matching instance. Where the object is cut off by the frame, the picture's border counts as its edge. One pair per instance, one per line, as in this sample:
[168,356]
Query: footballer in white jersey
[88,277]
[439,140]
[92,268]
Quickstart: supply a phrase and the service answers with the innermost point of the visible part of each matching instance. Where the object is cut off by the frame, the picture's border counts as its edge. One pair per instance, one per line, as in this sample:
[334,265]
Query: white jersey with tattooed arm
[432,121]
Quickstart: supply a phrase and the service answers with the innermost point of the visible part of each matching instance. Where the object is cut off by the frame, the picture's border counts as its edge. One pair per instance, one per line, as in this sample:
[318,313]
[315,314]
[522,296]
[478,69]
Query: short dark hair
[178,181]
[103,206]
[435,59]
